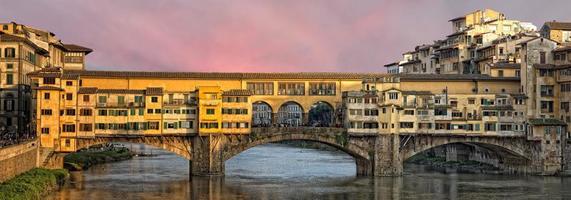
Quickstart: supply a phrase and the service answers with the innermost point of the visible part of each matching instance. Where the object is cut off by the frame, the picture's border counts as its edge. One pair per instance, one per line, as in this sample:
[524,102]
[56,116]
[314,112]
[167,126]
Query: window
[102,112]
[68,128]
[46,111]
[157,111]
[393,95]
[546,106]
[322,89]
[490,126]
[208,125]
[9,53]
[500,73]
[69,96]
[45,130]
[9,79]
[154,99]
[85,127]
[70,112]
[9,105]
[471,101]
[49,80]
[210,111]
[46,95]
[85,112]
[85,98]
[261,88]
[102,99]
[9,66]
[547,90]
[138,99]
[5,27]
[409,112]
[68,83]
[149,111]
[407,125]
[120,100]
[68,142]
[517,73]
[542,58]
[291,89]
[154,125]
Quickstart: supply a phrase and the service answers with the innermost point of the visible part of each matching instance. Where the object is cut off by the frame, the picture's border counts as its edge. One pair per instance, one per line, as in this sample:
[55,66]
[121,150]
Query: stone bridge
[378,155]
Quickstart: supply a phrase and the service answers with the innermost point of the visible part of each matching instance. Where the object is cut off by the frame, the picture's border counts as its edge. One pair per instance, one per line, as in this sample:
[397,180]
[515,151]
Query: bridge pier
[387,159]
[207,157]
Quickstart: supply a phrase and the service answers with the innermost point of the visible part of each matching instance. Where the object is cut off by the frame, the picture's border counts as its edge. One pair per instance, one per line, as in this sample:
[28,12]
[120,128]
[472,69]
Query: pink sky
[257,35]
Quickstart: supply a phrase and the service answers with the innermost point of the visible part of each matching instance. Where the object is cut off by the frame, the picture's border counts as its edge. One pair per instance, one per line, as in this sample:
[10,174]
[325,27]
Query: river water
[278,171]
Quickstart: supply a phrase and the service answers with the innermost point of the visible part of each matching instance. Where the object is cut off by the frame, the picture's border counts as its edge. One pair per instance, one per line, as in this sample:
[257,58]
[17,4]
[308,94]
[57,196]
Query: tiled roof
[457,18]
[223,75]
[559,25]
[4,37]
[506,65]
[548,122]
[449,77]
[47,88]
[94,90]
[551,66]
[410,62]
[563,48]
[498,107]
[120,91]
[77,48]
[87,90]
[416,93]
[154,91]
[237,93]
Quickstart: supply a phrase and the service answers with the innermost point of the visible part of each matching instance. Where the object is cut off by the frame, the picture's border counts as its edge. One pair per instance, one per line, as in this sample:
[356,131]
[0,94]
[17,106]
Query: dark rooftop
[558,25]
[77,48]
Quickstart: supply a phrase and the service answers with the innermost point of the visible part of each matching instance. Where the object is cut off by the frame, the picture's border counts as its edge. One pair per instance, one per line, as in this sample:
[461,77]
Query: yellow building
[557,31]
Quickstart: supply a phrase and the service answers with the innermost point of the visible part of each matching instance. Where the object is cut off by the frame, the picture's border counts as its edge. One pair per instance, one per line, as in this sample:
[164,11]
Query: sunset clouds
[264,35]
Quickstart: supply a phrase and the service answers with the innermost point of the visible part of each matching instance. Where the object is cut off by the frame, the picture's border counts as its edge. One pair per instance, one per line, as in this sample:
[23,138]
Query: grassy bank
[33,184]
[84,159]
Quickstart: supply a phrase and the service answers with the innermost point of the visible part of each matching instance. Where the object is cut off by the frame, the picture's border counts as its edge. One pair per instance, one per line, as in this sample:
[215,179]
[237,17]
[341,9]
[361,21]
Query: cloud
[256,35]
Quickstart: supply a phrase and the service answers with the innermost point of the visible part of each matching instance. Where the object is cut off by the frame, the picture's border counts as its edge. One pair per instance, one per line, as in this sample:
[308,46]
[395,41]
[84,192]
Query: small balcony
[179,102]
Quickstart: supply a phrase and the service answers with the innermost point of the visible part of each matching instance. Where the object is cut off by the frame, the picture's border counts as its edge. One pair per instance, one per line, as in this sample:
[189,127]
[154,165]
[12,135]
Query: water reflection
[282,172]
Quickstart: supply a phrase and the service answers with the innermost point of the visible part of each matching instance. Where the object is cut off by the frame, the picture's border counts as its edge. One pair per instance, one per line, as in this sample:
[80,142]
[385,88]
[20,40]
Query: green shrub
[32,184]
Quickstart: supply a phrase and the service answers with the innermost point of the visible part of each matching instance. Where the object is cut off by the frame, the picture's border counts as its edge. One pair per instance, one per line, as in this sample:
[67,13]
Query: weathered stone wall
[17,159]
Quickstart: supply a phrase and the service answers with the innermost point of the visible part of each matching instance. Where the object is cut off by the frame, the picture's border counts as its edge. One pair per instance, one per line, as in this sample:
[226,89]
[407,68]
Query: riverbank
[440,163]
[97,155]
[34,184]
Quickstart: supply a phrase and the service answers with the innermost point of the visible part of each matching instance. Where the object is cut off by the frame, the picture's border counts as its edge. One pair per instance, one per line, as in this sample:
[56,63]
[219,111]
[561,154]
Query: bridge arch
[291,114]
[262,114]
[330,136]
[515,147]
[179,145]
[321,113]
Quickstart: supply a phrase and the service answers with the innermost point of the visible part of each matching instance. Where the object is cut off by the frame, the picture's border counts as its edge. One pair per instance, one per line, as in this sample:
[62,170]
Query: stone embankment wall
[18,159]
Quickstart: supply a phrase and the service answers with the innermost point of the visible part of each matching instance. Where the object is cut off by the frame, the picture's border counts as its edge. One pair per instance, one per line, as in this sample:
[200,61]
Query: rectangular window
[68,128]
[46,95]
[295,89]
[154,99]
[69,96]
[85,127]
[121,100]
[46,111]
[85,98]
[9,79]
[393,95]
[45,130]
[68,83]
[546,90]
[102,112]
[408,112]
[542,57]
[210,111]
[70,112]
[102,99]
[85,112]
[261,88]
[322,89]
[407,125]
[138,99]
[49,80]
[9,53]
[149,111]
